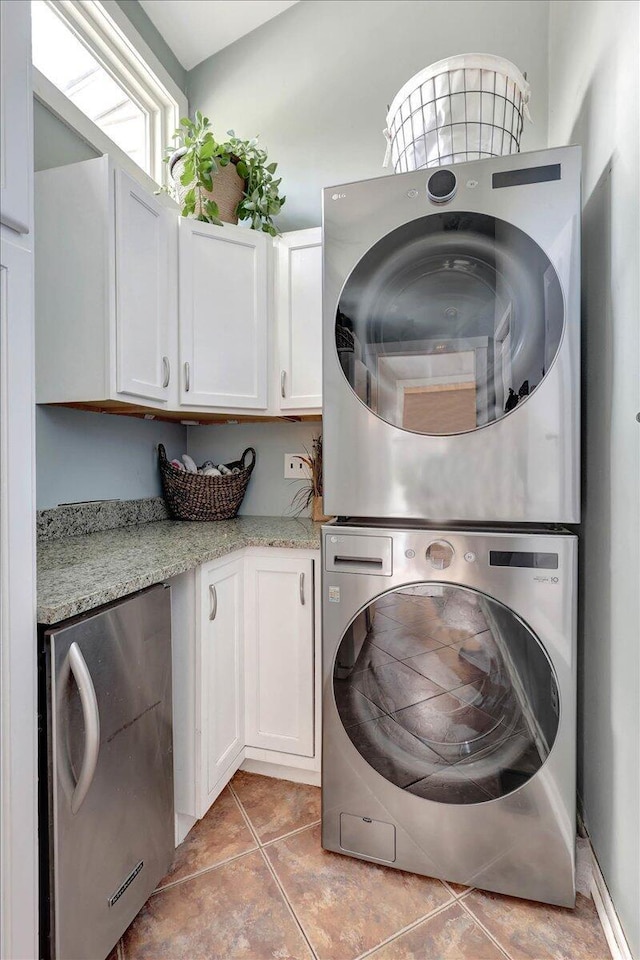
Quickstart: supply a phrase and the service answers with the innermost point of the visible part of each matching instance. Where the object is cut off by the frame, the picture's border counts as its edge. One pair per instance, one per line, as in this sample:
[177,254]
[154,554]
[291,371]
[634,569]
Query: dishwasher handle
[91,717]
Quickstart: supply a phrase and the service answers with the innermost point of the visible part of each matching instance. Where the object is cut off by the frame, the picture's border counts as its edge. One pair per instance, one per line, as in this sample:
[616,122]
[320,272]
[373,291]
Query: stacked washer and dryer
[451,457]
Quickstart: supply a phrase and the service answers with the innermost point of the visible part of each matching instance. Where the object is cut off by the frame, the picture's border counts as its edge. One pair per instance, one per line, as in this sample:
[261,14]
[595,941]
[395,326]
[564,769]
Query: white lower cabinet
[221,683]
[245,673]
[279,654]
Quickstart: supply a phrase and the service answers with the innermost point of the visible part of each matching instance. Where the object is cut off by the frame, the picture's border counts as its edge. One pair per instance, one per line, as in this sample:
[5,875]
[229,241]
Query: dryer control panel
[348,553]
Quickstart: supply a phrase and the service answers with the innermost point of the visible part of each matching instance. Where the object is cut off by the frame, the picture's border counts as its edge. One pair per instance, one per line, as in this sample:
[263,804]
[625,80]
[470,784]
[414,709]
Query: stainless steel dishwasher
[106,818]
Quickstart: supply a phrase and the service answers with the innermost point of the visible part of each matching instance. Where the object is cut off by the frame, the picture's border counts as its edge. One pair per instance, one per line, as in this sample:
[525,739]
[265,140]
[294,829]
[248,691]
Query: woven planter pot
[317,511]
[228,187]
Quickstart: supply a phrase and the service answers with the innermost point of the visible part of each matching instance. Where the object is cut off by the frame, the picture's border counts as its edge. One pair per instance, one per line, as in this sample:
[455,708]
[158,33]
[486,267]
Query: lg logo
[338,196]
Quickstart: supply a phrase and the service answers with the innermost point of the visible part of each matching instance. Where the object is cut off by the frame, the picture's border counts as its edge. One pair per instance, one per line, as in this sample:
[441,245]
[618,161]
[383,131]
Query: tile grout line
[267,843]
[245,815]
[289,906]
[232,859]
[458,896]
[201,873]
[271,870]
[484,929]
[292,833]
[410,926]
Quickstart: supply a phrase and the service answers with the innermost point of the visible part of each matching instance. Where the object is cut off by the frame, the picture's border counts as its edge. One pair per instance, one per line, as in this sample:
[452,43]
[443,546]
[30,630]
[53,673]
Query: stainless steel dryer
[451,342]
[449,701]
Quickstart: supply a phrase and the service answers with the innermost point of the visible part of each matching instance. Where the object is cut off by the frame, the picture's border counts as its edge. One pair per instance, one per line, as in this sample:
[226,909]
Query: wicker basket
[228,187]
[192,496]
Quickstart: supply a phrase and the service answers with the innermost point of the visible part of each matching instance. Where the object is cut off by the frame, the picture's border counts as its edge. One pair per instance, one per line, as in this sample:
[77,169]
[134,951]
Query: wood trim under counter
[190,417]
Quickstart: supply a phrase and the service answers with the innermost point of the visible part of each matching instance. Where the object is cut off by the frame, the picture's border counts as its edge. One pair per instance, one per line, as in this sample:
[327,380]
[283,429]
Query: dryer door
[446,693]
[449,323]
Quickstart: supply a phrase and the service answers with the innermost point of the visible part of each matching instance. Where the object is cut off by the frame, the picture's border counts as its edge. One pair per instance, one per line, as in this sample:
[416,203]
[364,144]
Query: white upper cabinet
[15,115]
[223,316]
[299,313]
[136,305]
[105,288]
[143,296]
[279,654]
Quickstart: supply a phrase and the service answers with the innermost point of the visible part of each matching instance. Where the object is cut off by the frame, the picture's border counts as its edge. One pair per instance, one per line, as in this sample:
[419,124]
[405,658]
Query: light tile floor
[252,881]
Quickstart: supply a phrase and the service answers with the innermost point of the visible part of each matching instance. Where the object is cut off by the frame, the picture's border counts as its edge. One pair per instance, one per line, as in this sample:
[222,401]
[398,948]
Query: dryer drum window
[449,323]
[446,694]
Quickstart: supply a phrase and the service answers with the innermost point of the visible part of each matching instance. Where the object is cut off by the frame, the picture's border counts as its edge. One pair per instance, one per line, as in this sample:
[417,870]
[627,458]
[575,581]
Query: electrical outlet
[295,468]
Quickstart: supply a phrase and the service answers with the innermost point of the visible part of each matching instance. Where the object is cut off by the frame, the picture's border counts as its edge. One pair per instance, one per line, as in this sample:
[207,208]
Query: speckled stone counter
[76,574]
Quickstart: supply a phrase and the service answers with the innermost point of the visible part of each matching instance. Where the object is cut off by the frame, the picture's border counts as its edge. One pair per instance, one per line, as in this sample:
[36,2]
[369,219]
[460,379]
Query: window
[81,50]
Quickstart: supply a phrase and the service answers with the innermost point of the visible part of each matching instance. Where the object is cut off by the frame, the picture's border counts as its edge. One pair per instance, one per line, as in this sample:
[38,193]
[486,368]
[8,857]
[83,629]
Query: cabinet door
[221,664]
[299,309]
[144,233]
[279,644]
[223,315]
[15,115]
[18,824]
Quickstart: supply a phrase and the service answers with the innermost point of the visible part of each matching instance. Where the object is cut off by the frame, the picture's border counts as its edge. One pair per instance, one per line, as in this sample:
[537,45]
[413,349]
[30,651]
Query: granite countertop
[78,573]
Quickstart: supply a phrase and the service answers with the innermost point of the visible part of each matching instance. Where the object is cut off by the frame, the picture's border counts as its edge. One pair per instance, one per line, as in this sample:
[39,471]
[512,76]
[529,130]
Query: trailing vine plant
[203,155]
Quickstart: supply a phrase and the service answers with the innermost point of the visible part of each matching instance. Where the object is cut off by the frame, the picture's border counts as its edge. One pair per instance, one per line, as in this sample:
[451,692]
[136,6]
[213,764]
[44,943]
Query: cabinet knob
[213,601]
[302,589]
[283,380]
[167,372]
[187,376]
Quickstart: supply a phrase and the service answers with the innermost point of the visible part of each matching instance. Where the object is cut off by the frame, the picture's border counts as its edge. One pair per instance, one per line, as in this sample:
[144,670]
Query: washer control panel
[440,554]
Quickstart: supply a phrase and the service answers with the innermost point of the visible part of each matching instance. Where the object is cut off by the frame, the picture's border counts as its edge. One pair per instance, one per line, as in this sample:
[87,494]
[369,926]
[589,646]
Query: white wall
[93,456]
[593,101]
[269,494]
[315,82]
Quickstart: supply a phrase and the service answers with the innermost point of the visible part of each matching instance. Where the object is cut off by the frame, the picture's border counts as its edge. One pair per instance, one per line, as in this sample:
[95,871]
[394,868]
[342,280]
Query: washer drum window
[446,694]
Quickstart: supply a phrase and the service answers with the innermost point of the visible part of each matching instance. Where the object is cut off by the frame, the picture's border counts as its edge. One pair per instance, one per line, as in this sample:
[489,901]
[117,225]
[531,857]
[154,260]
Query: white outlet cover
[294,468]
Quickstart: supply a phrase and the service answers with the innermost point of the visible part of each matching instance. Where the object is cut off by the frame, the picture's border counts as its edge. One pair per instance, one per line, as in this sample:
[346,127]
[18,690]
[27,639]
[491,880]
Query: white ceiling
[196,29]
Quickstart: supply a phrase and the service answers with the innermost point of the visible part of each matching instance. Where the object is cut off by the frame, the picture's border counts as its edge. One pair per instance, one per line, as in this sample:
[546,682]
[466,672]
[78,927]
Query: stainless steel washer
[451,342]
[449,679]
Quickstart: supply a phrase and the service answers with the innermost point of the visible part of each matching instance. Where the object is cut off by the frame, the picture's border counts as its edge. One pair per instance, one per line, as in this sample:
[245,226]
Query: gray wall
[593,97]
[54,143]
[315,82]
[269,494]
[92,456]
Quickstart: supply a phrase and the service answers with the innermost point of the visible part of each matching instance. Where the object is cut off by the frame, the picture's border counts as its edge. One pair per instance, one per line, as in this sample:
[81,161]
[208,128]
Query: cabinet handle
[187,376]
[213,601]
[302,589]
[167,372]
[91,718]
[283,379]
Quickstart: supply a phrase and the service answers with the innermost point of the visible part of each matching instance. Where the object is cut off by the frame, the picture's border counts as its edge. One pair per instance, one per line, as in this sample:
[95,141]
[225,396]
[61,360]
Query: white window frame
[121,50]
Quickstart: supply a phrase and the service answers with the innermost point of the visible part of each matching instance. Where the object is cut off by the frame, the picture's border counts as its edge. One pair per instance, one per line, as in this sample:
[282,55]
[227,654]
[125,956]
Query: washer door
[449,323]
[446,693]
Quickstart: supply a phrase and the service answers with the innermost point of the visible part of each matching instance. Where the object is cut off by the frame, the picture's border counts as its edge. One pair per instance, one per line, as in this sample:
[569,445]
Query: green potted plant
[223,181]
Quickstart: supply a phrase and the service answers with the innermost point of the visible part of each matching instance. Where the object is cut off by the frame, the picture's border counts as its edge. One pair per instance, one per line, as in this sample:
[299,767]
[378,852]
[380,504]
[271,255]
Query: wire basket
[465,108]
[192,496]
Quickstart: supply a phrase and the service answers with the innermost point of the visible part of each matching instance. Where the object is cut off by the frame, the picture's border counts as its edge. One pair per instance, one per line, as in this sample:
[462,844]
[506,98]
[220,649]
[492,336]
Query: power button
[470,557]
